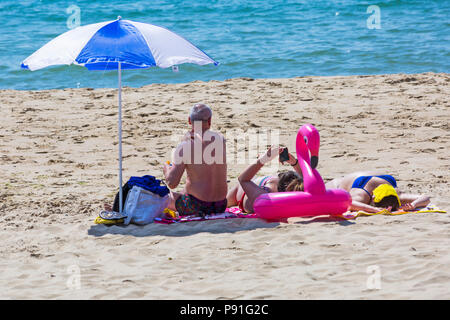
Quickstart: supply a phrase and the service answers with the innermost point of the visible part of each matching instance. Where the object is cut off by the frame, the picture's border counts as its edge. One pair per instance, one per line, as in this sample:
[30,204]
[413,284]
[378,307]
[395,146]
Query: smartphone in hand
[284,155]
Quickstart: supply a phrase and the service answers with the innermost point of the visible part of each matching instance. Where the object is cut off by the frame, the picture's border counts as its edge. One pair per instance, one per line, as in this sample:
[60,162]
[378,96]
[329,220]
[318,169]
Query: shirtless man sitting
[202,154]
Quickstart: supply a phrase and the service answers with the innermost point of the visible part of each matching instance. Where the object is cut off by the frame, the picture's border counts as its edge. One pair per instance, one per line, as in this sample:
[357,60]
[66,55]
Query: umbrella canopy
[116,45]
[102,46]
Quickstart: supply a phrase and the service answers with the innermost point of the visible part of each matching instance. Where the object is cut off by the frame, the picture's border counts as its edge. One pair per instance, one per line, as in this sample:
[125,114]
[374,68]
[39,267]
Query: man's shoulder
[215,134]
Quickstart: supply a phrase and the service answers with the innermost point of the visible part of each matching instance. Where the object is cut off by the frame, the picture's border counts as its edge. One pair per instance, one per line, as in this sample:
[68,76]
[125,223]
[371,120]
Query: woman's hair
[389,201]
[289,181]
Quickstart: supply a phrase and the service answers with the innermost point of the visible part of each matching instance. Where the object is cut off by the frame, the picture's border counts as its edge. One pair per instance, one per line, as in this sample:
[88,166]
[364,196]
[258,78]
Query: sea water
[249,38]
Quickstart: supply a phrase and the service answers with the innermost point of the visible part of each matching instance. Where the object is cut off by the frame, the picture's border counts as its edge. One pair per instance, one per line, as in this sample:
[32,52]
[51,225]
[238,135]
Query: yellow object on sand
[384,190]
[100,220]
[170,213]
[354,214]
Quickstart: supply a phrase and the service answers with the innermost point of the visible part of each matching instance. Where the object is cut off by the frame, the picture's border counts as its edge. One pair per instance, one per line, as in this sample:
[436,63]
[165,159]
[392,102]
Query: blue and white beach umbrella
[116,45]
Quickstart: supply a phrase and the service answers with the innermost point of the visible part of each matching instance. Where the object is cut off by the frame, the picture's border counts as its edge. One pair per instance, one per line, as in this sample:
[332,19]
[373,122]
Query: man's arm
[173,174]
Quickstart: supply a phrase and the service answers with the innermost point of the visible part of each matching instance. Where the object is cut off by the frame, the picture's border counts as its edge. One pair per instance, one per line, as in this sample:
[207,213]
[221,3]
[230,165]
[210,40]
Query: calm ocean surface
[250,38]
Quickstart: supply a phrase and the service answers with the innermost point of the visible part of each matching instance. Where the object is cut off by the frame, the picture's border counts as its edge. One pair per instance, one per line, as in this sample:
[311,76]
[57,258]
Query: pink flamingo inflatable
[315,200]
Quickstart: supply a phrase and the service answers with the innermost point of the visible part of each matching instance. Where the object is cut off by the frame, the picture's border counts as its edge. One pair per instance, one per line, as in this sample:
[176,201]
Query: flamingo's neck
[312,181]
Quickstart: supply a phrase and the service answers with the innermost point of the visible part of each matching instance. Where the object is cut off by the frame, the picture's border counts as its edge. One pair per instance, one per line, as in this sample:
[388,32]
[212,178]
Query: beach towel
[350,215]
[172,217]
[229,213]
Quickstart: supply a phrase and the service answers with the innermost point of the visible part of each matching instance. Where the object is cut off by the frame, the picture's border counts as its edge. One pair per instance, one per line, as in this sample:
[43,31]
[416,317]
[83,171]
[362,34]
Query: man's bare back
[208,182]
[202,154]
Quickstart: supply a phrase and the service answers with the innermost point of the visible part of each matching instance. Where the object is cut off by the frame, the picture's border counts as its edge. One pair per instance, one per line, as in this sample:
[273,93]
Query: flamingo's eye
[306,140]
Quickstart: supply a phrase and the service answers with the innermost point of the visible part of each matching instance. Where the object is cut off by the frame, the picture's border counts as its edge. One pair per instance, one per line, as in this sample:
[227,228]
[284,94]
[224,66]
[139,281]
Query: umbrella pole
[120,138]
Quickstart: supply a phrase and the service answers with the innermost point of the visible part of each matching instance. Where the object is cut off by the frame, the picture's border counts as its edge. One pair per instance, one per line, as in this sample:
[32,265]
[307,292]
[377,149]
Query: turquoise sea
[250,38]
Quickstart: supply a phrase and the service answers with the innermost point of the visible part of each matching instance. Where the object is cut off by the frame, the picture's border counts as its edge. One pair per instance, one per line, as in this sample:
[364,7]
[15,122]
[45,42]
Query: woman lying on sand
[245,193]
[370,192]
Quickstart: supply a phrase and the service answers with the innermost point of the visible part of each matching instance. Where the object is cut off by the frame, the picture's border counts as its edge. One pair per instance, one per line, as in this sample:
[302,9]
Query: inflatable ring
[315,200]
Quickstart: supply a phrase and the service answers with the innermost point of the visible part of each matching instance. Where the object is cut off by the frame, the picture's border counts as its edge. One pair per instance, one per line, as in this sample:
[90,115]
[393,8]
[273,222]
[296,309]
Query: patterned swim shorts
[187,205]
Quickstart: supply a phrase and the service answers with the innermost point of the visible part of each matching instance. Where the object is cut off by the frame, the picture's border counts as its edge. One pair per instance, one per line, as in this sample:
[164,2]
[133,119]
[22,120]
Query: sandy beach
[58,163]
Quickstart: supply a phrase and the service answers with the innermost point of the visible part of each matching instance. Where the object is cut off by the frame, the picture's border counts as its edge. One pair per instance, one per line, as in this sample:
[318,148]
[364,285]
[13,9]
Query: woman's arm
[245,178]
[251,189]
[360,202]
[248,174]
[357,205]
[294,163]
[413,201]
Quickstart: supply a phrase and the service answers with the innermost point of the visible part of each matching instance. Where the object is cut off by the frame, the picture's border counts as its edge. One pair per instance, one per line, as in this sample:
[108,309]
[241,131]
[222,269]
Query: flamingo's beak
[314,161]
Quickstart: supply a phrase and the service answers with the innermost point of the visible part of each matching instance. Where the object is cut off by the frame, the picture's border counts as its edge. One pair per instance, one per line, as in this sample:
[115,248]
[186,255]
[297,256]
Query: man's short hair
[200,112]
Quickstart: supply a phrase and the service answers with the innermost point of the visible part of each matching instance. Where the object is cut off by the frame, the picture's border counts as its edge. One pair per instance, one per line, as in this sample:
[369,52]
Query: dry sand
[58,165]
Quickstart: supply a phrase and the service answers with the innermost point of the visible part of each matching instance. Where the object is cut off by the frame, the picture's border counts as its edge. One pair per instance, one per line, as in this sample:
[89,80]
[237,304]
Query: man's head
[201,113]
